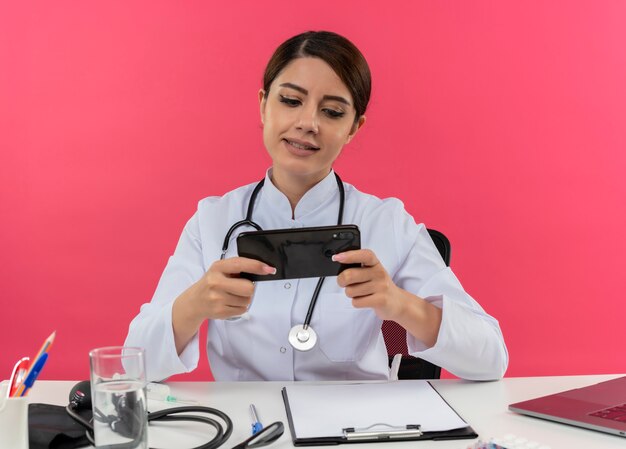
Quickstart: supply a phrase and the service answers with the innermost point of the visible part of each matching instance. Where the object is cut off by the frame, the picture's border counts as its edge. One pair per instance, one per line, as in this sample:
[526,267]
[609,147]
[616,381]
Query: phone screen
[300,252]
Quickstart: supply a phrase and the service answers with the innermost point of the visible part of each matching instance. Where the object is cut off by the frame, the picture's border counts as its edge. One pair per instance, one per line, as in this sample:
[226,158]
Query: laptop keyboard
[615,413]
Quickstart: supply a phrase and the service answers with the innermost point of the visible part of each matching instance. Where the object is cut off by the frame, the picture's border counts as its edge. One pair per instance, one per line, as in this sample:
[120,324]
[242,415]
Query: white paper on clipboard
[325,410]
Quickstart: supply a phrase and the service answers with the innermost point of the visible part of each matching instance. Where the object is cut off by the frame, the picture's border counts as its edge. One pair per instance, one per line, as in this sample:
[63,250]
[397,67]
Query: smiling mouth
[301,146]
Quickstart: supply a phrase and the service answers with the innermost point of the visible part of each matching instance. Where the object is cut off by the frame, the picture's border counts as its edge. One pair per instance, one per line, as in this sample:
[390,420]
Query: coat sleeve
[470,344]
[152,327]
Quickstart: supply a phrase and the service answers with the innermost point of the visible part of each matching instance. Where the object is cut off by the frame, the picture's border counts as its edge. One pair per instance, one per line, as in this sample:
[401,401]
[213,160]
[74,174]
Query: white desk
[482,404]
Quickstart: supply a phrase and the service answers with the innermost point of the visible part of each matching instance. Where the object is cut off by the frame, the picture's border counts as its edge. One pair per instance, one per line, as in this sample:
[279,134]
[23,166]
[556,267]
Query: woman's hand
[219,294]
[371,286]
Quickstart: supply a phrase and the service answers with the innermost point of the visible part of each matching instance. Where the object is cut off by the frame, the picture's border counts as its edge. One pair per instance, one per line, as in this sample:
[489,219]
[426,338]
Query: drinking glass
[118,392]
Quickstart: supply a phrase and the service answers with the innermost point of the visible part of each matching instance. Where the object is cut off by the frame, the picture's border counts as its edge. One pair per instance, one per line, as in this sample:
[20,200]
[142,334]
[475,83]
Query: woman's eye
[333,113]
[289,101]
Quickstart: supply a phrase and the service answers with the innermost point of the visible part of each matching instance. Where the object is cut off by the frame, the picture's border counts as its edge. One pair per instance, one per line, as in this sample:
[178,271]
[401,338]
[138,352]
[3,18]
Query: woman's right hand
[221,293]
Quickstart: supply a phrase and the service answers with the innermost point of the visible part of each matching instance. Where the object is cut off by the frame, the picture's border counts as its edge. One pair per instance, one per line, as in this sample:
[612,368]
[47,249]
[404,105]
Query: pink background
[502,124]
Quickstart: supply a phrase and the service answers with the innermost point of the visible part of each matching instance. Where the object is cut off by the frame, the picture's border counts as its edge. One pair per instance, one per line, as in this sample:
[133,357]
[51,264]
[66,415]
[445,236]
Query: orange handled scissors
[18,375]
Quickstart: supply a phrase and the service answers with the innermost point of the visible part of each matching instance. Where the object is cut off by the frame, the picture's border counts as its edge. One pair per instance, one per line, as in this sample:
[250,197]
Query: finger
[236,265]
[355,276]
[236,311]
[230,312]
[360,290]
[217,283]
[366,257]
[235,301]
[239,287]
[371,301]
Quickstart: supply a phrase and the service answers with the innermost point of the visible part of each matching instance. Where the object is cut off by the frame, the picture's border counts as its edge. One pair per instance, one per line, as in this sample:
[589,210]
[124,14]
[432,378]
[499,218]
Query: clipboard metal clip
[382,431]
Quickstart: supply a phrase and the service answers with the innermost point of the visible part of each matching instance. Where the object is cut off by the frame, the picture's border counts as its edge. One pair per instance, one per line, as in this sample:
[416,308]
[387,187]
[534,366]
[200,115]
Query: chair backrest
[443,245]
[395,335]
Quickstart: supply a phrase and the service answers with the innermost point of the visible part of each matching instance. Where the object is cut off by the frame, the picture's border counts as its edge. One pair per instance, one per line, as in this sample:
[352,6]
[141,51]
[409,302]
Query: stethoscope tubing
[246,221]
[249,222]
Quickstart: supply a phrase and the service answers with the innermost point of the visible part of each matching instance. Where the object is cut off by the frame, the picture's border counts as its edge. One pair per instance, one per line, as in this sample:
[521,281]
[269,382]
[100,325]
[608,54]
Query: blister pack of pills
[508,441]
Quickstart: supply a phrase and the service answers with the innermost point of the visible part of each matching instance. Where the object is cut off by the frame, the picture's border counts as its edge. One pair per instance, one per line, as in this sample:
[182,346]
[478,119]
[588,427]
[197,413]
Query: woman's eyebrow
[295,87]
[336,98]
[306,92]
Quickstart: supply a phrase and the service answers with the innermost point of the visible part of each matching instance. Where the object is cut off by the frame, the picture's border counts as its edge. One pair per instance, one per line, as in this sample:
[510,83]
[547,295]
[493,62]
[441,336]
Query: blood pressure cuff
[50,427]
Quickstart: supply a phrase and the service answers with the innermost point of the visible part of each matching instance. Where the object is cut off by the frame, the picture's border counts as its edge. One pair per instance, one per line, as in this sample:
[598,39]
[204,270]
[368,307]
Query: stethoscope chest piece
[302,338]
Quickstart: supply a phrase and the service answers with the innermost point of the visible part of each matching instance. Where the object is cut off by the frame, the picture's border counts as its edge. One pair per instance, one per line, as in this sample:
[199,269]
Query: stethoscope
[302,336]
[129,424]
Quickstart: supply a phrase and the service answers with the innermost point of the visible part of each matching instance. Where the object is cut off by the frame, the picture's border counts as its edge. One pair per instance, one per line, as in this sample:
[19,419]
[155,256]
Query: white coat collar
[312,199]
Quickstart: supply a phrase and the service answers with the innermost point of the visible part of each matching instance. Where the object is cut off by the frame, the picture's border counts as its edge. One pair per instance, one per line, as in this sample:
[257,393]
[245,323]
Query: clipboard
[370,412]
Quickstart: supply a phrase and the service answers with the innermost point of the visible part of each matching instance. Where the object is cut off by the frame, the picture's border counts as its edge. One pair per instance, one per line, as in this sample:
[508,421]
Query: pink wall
[502,124]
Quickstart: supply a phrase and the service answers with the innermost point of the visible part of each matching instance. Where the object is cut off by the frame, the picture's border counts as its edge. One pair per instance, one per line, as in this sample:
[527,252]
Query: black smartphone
[300,252]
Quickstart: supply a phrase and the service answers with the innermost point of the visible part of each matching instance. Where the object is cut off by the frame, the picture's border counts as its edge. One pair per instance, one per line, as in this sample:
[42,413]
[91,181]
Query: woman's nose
[307,120]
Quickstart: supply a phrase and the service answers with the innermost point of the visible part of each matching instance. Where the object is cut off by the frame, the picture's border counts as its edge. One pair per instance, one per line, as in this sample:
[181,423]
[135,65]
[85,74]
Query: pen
[32,376]
[256,424]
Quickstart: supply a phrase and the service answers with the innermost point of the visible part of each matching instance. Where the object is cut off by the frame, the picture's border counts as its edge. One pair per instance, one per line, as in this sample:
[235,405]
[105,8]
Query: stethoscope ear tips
[301,338]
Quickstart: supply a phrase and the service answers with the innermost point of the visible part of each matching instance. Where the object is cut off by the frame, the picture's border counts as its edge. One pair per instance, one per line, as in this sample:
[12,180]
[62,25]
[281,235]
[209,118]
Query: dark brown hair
[337,51]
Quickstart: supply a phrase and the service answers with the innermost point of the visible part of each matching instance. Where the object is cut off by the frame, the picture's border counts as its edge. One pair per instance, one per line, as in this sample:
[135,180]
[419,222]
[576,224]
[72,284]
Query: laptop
[599,407]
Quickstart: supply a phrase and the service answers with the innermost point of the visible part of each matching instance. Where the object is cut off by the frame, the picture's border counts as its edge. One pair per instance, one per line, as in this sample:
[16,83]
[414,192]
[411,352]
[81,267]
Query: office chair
[395,335]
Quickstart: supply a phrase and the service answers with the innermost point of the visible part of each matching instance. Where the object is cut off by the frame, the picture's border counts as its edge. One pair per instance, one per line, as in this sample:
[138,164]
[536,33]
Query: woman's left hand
[370,285]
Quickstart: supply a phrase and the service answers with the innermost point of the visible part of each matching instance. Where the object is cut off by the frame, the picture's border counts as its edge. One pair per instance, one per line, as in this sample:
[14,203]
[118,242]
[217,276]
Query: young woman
[315,91]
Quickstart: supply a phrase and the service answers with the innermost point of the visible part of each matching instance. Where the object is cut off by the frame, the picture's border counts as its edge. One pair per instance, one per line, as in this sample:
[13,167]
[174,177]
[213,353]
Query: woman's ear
[262,101]
[355,127]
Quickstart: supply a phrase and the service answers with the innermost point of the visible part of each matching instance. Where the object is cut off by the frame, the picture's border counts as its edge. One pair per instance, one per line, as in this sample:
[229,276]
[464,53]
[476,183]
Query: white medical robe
[350,345]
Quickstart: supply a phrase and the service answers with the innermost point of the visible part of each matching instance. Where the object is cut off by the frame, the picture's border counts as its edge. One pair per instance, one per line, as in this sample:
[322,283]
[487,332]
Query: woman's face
[308,116]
